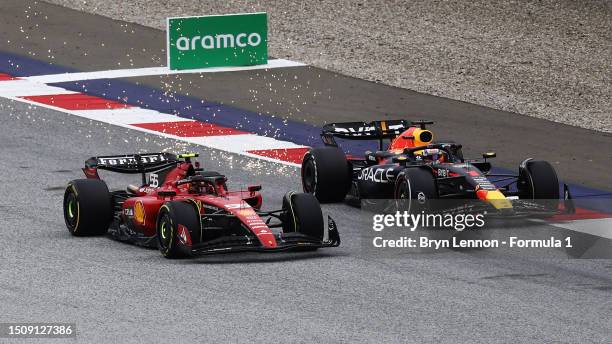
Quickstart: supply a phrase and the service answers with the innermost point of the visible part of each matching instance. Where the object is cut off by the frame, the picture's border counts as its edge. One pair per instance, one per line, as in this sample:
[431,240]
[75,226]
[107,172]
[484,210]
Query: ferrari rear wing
[375,130]
[132,163]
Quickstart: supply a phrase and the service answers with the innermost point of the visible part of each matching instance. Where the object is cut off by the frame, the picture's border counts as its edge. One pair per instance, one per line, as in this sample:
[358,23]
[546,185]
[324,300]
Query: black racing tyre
[326,174]
[172,215]
[538,180]
[415,187]
[303,214]
[88,208]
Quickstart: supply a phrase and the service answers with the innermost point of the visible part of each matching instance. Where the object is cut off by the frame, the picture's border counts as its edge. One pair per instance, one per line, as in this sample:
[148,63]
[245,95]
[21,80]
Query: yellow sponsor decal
[139,212]
[245,211]
[498,200]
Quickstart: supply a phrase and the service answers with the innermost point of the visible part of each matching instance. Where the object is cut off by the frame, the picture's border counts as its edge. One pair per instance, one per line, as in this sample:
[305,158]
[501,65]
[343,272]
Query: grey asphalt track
[88,42]
[118,293]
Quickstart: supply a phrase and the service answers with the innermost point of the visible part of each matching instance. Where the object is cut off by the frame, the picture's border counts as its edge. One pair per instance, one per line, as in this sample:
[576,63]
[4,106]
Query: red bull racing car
[185,210]
[415,167]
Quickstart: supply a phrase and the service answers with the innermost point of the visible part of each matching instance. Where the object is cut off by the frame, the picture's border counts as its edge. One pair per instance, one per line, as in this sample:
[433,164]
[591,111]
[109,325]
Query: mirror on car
[489,155]
[254,188]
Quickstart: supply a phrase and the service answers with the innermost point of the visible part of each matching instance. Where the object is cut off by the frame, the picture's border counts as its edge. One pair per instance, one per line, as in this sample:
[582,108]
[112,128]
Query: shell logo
[245,212]
[139,213]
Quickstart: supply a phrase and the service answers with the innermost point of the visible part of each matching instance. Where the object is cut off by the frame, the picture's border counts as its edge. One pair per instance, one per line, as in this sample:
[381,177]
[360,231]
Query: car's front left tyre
[173,219]
[303,215]
[538,180]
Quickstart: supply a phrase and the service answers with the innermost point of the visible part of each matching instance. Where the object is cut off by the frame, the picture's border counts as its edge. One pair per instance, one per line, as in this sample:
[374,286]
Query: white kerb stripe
[241,143]
[598,227]
[137,72]
[24,88]
[129,116]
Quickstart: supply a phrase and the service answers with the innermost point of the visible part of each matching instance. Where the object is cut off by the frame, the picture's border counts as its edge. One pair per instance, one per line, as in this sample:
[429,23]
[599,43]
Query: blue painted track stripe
[18,65]
[205,111]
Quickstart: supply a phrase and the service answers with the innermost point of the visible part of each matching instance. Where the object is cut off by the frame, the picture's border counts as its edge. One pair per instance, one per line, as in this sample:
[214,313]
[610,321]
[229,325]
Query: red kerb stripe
[5,77]
[77,101]
[581,214]
[293,155]
[190,128]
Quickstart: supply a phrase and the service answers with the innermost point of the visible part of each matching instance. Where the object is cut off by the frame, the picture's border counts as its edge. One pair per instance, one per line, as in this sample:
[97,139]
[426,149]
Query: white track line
[137,72]
[597,227]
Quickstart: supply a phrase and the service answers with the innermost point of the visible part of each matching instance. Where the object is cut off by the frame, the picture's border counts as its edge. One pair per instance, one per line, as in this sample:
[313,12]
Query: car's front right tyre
[303,214]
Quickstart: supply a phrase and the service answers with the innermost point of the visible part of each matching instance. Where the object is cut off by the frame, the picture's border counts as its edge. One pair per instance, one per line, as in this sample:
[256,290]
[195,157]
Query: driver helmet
[201,188]
[434,155]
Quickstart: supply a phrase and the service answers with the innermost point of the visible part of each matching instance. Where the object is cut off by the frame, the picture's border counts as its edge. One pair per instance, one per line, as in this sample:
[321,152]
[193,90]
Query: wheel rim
[165,231]
[403,192]
[403,196]
[70,205]
[71,209]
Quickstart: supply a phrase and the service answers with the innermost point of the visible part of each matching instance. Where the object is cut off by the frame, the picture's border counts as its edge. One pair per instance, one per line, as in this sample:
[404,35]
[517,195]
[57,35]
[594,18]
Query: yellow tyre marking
[199,208]
[78,208]
[167,250]
[292,211]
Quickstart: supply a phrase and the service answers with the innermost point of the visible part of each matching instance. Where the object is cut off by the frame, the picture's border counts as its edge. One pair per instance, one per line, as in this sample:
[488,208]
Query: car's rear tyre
[172,215]
[326,174]
[87,207]
[414,189]
[303,215]
[538,180]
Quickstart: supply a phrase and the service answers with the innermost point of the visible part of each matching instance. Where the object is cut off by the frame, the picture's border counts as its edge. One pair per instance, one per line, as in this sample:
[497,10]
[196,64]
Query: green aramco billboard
[216,41]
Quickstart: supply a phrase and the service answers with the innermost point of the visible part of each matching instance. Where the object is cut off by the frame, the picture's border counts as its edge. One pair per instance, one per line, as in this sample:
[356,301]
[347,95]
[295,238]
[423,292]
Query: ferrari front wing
[284,242]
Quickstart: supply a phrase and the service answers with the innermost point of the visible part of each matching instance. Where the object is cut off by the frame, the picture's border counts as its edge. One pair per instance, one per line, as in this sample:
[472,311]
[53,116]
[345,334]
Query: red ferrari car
[186,211]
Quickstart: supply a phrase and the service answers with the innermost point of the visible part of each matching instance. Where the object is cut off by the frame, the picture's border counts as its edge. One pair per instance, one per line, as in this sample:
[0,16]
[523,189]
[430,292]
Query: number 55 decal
[153,180]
